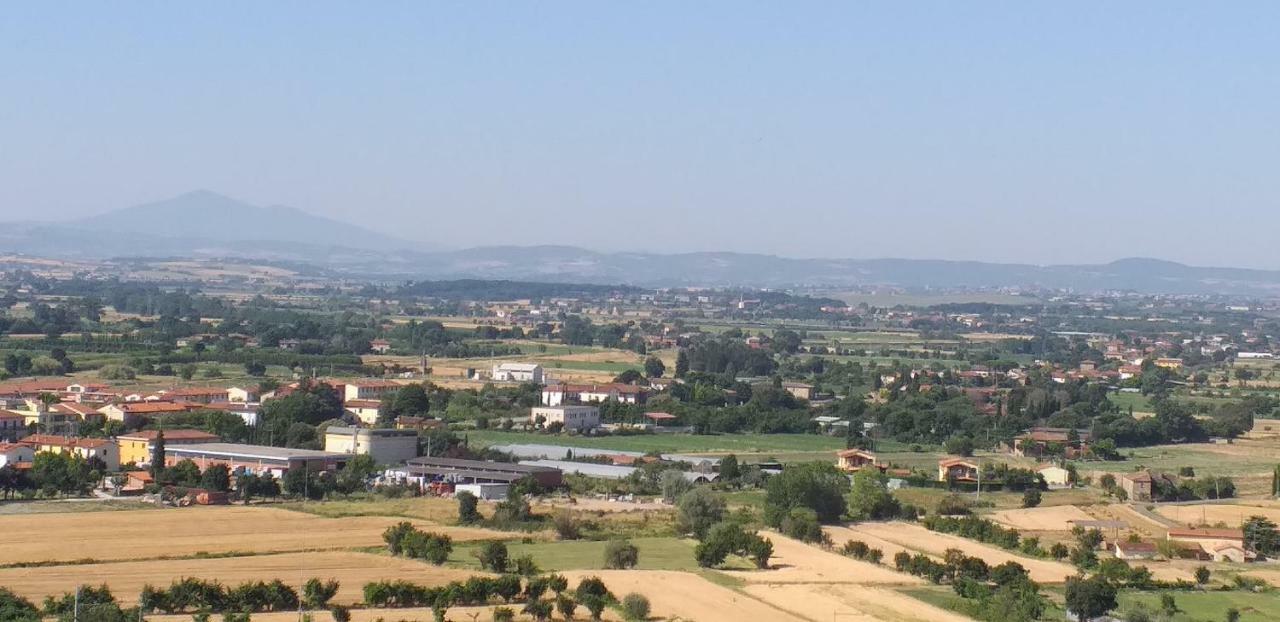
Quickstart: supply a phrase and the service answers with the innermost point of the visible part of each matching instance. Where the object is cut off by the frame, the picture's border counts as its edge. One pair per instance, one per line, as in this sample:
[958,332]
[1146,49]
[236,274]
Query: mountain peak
[208,216]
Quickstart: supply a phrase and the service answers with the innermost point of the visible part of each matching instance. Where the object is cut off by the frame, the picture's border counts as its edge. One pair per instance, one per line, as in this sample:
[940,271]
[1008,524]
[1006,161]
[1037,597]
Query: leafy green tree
[493,557]
[817,486]
[654,367]
[621,554]
[316,594]
[16,608]
[1260,536]
[802,524]
[699,509]
[869,498]
[673,484]
[1090,598]
[468,508]
[216,478]
[682,363]
[635,607]
[1031,497]
[730,470]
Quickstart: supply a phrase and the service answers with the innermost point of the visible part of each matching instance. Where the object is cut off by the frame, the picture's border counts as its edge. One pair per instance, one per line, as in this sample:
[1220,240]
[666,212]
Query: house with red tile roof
[103,449]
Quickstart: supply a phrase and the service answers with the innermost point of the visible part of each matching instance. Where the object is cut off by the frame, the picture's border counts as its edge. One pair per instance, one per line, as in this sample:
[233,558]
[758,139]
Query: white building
[13,453]
[387,446]
[368,389]
[484,492]
[517,372]
[571,417]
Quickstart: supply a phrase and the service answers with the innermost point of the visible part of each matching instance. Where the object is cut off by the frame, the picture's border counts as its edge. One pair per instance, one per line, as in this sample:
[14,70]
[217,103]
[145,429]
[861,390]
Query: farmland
[153,534]
[352,569]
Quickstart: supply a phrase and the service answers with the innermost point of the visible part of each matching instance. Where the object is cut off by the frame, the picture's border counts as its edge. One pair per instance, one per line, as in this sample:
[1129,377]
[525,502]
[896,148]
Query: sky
[1032,132]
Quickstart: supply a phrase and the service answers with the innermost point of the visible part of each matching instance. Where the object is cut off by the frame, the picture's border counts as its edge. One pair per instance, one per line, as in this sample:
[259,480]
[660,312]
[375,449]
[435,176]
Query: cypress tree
[157,456]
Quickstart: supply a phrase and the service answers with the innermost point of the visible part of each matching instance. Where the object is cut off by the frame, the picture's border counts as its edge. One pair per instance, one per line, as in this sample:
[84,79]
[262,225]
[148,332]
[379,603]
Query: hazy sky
[1021,131]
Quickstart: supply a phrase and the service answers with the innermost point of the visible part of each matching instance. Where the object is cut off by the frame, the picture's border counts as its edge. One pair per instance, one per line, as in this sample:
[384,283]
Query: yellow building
[136,447]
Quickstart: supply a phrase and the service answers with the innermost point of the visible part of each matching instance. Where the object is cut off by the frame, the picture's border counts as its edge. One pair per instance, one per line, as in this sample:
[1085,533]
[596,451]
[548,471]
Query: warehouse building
[423,472]
[255,458]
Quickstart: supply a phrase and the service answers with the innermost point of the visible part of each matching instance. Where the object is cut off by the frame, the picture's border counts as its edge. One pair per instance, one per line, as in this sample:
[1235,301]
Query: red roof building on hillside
[557,394]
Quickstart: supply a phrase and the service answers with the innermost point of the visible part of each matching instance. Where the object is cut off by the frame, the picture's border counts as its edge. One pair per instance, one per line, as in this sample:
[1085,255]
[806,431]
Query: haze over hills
[206,215]
[204,224]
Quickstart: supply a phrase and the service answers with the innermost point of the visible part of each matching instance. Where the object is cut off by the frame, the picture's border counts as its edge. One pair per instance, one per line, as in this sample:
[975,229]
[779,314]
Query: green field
[1196,455]
[605,366]
[655,554]
[927,300]
[711,443]
[1209,606]
[1138,401]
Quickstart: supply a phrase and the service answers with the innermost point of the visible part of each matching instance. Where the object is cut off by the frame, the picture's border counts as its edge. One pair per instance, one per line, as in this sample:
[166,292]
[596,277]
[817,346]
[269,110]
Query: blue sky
[1031,132]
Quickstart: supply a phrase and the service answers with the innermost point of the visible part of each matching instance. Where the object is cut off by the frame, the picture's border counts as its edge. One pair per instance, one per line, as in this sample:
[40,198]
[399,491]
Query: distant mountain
[212,217]
[211,226]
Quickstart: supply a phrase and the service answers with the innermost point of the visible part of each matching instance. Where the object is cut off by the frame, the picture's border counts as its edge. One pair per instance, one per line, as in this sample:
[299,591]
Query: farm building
[517,372]
[255,458]
[1037,441]
[958,469]
[485,492]
[572,417]
[1137,486]
[425,470]
[385,445]
[1054,475]
[852,460]
[1136,550]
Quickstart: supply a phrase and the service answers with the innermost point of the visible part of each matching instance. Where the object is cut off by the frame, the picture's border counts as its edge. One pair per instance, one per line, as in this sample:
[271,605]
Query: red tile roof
[63,441]
[171,435]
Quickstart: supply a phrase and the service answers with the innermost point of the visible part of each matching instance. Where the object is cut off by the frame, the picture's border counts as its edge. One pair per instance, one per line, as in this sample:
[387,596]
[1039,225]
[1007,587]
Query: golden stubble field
[351,569]
[150,534]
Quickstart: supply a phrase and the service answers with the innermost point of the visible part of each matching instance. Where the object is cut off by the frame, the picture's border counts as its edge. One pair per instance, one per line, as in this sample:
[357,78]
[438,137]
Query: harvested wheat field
[687,596]
[1230,514]
[845,602]
[142,534]
[840,535]
[1051,518]
[457,614]
[126,579]
[917,538]
[796,562]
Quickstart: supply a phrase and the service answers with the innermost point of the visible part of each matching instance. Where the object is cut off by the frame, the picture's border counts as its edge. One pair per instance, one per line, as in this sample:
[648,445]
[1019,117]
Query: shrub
[566,606]
[699,509]
[566,526]
[729,539]
[1030,498]
[621,554]
[817,486]
[635,607]
[468,508]
[1202,575]
[316,594]
[802,524]
[493,557]
[503,614]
